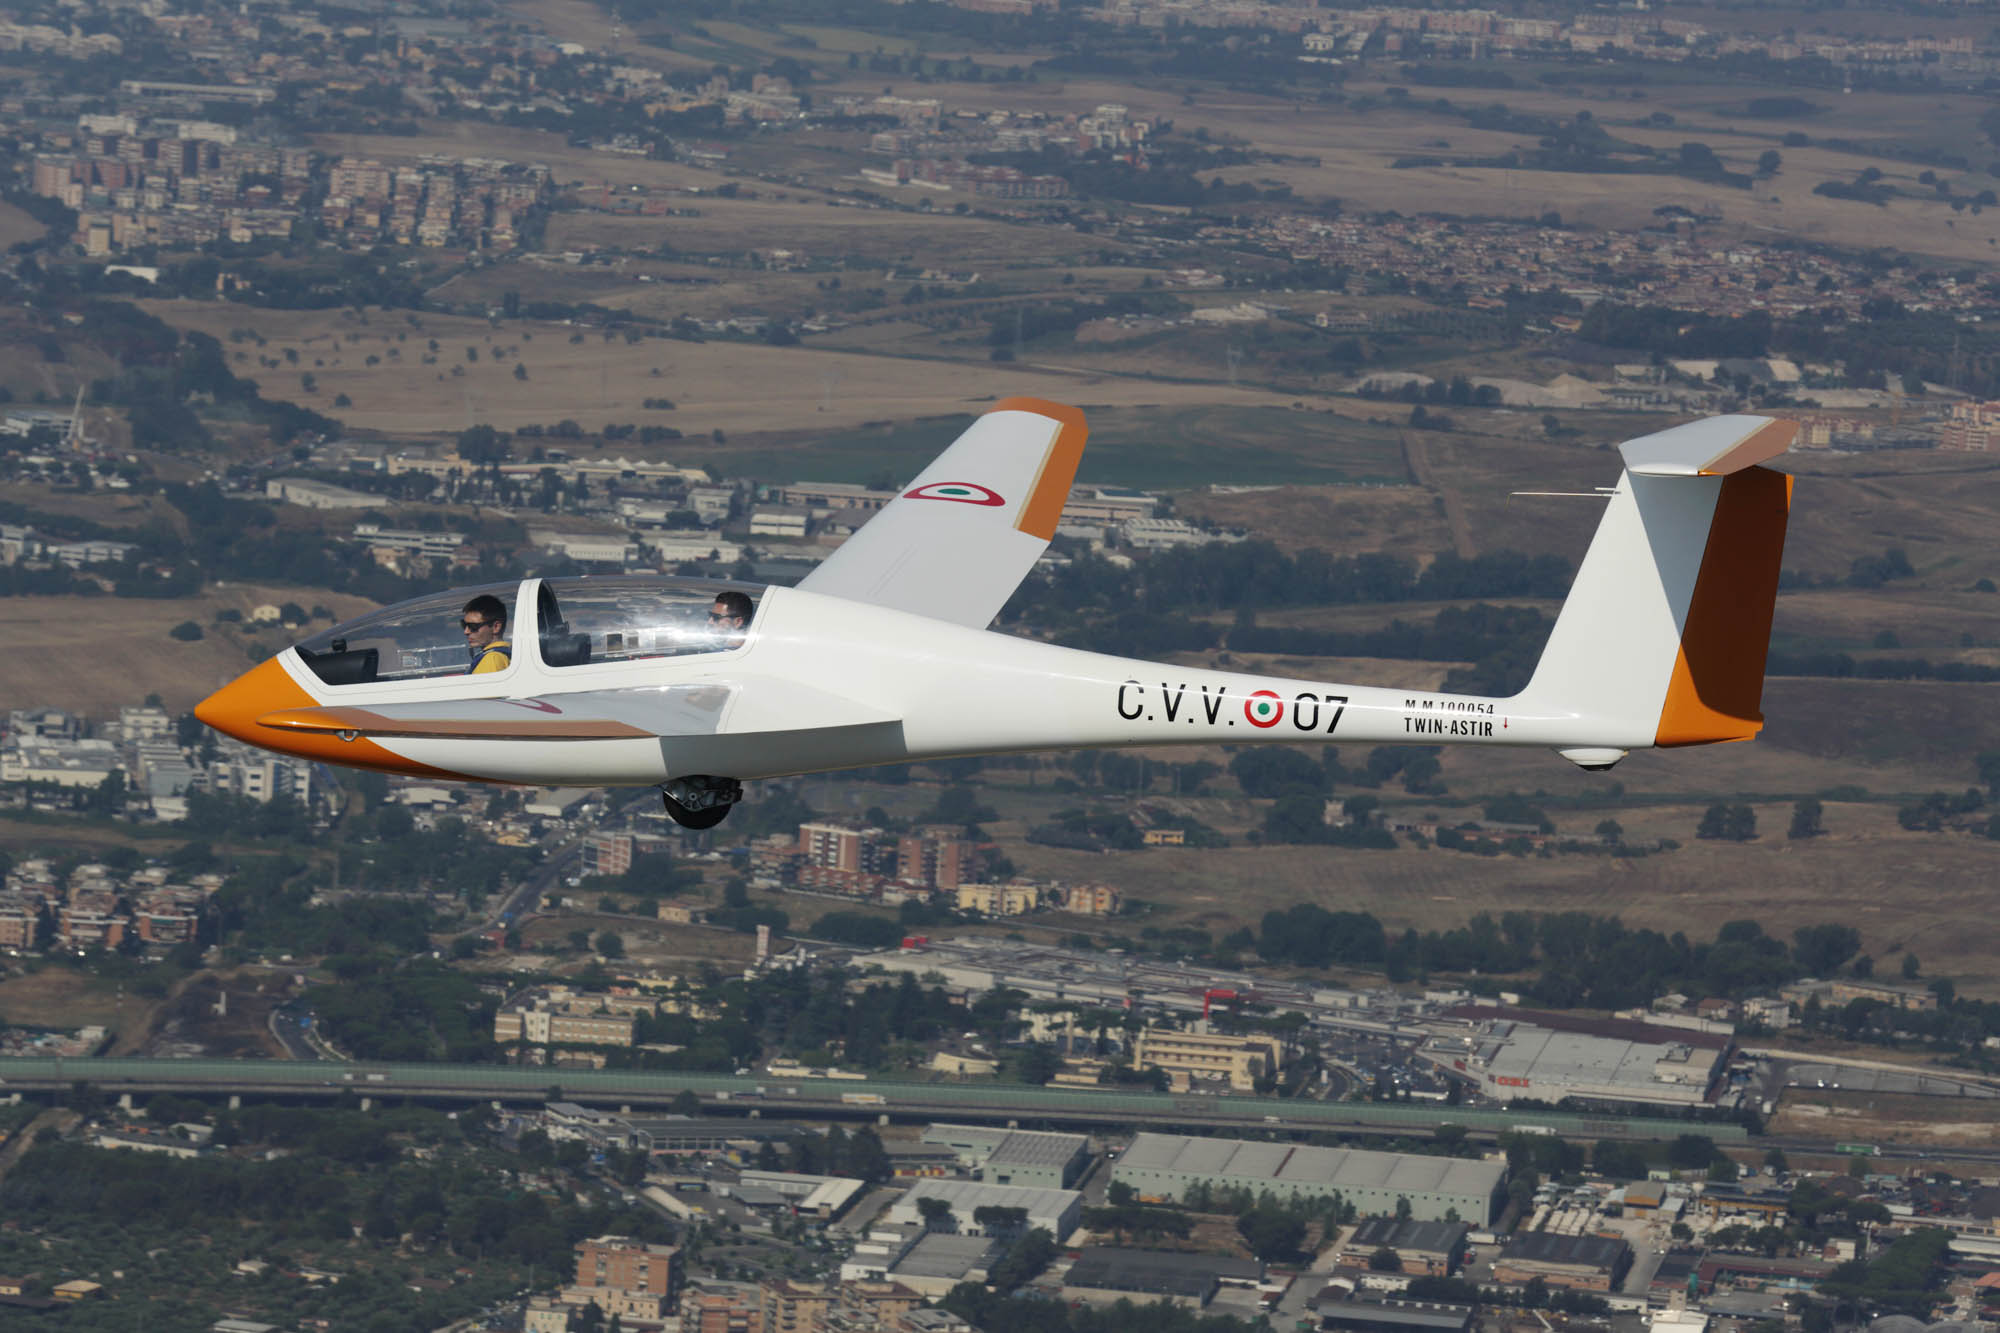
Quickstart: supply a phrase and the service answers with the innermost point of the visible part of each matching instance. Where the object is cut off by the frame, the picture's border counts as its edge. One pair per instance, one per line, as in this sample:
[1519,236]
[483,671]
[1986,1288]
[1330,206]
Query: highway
[751,1095]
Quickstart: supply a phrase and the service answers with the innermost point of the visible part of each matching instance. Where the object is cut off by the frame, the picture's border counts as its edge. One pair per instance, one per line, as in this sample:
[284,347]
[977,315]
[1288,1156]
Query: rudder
[1663,638]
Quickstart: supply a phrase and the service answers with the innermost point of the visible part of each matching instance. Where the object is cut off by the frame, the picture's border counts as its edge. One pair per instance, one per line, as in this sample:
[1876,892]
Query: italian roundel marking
[958,492]
[1264,709]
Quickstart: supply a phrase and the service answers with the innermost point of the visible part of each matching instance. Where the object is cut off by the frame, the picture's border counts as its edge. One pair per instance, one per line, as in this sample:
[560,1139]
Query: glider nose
[235,708]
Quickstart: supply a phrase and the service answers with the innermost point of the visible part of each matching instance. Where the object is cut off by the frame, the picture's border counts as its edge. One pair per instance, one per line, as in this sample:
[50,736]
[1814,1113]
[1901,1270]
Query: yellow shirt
[493,657]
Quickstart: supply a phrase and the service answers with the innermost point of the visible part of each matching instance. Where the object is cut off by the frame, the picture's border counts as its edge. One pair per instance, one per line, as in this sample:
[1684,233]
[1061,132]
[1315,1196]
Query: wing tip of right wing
[1070,417]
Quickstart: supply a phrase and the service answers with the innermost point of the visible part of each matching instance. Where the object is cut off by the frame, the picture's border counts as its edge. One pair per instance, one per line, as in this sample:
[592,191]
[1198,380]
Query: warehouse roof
[1296,1164]
[1157,1272]
[1026,1147]
[1409,1234]
[965,1196]
[1547,1247]
[942,1255]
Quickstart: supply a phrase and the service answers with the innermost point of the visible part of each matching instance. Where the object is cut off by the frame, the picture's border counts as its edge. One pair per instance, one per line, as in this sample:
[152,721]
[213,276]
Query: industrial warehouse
[1014,1156]
[1439,1189]
[1605,1060]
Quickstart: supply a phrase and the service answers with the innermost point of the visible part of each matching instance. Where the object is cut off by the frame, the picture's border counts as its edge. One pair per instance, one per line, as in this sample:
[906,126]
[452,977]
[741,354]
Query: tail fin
[1663,638]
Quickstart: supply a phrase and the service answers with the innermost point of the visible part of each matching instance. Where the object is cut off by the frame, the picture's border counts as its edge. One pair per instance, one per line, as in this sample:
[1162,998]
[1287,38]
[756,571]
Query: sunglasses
[722,615]
[470,625]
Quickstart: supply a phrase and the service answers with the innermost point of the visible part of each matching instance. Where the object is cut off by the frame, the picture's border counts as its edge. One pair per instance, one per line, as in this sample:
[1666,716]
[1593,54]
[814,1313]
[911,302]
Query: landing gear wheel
[700,801]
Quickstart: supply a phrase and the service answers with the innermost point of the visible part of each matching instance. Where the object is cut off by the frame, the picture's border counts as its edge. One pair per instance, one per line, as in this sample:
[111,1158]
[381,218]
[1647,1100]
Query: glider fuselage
[823,683]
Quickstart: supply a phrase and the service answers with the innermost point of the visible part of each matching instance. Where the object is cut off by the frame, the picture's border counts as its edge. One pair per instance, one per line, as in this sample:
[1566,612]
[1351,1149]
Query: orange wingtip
[1044,506]
[1767,441]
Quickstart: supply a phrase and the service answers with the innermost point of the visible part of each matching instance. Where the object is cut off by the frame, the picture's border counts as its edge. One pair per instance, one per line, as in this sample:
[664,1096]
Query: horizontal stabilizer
[699,709]
[1711,447]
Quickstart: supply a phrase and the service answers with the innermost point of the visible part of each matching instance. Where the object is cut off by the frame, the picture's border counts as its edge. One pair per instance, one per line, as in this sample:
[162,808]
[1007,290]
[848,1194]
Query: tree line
[1578,958]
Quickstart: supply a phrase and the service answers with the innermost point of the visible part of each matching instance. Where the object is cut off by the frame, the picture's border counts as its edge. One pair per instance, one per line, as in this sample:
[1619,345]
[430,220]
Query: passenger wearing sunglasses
[485,626]
[729,618]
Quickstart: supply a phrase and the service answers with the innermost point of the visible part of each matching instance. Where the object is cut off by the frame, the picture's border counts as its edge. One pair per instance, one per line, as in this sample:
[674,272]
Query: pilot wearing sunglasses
[485,625]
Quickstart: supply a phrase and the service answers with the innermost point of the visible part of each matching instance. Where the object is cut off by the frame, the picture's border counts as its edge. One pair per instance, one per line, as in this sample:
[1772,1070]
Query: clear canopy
[619,619]
[408,641]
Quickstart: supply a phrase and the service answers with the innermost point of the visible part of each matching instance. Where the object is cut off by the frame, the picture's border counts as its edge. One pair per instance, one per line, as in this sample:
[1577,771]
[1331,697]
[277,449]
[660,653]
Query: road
[755,1096]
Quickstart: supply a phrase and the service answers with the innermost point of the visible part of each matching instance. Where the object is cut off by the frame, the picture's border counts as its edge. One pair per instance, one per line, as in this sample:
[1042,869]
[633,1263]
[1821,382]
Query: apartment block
[1191,1059]
[625,1264]
[715,1306]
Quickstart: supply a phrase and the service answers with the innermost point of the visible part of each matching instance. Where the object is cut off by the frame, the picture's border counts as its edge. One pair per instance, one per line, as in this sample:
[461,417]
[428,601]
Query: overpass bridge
[753,1095]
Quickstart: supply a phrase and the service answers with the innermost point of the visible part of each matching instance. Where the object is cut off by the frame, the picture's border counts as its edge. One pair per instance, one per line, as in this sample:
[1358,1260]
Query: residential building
[625,1277]
[1012,899]
[795,1307]
[1194,1060]
[715,1306]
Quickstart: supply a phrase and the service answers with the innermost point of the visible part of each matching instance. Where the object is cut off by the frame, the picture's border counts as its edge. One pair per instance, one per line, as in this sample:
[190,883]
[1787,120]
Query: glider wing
[961,537]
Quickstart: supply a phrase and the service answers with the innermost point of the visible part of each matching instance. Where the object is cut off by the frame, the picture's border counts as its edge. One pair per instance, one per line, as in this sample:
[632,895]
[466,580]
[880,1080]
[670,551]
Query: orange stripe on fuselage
[269,688]
[368,722]
[1046,498]
[1717,689]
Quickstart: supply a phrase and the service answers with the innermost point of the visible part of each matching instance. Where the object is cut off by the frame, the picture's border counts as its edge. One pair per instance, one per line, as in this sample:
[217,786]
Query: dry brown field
[17,225]
[1923,893]
[1853,23]
[809,225]
[1345,518]
[97,654]
[62,999]
[1356,150]
[187,1017]
[731,386]
[648,940]
[1887,1117]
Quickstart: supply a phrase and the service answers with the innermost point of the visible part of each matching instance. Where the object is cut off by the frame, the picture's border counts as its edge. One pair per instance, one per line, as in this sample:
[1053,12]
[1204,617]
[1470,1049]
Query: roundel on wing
[959,492]
[1263,709]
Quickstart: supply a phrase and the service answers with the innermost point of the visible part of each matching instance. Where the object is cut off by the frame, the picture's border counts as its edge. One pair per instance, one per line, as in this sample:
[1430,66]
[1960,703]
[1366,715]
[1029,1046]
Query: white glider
[882,655]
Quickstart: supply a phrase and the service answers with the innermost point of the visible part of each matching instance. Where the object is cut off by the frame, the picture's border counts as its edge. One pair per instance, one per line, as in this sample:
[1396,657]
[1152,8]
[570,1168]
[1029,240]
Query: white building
[1055,1211]
[779,521]
[674,548]
[64,762]
[309,494]
[587,547]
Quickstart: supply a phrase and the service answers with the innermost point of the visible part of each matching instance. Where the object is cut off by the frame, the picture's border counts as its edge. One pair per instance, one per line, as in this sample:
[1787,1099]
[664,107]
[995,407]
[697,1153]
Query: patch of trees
[1724,822]
[1089,829]
[1455,634]
[1859,191]
[421,1011]
[858,929]
[1139,1222]
[338,1171]
[1579,959]
[1092,603]
[1937,811]
[1843,666]
[267,904]
[1457,392]
[1904,1279]
[1027,323]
